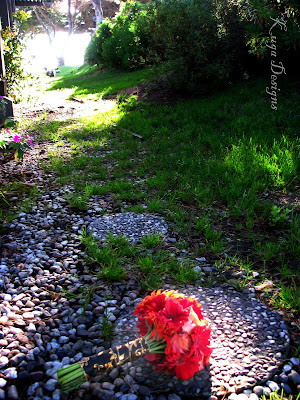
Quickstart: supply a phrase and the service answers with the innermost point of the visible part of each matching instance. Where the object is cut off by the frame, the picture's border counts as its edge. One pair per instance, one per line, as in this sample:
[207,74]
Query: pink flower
[29,140]
[17,139]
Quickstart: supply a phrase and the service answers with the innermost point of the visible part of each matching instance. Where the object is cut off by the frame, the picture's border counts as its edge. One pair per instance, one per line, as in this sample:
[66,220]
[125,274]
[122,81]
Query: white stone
[253,396]
[3,382]
[10,373]
[273,386]
[3,362]
[28,315]
[31,327]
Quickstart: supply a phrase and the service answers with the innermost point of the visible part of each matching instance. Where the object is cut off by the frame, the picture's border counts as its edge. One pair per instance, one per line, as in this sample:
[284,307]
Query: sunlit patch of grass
[89,82]
[287,298]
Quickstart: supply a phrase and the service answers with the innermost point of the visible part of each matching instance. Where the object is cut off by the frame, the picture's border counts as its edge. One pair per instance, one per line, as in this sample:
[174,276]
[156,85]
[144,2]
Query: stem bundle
[73,376]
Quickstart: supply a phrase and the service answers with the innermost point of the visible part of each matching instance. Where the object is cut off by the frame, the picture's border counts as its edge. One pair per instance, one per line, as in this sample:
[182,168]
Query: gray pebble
[258,390]
[144,390]
[108,386]
[295,361]
[294,377]
[118,382]
[56,395]
[51,385]
[287,390]
[12,393]
[3,382]
[287,368]
[283,378]
[114,373]
[129,396]
[174,396]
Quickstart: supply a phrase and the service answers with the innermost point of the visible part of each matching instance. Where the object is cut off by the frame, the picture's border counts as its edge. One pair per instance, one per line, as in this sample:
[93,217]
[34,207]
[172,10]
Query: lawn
[93,83]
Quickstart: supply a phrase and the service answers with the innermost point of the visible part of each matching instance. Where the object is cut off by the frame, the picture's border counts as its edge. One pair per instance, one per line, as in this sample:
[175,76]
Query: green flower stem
[71,377]
[155,346]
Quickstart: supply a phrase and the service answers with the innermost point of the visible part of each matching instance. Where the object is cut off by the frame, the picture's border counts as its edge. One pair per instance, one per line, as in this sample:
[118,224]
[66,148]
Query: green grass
[107,329]
[151,241]
[89,82]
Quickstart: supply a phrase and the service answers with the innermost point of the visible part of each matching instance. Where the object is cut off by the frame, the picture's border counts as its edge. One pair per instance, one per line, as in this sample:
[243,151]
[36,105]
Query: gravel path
[46,320]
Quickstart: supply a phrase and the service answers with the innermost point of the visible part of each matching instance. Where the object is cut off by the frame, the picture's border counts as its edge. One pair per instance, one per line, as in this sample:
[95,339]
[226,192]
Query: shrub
[93,53]
[12,49]
[287,36]
[200,44]
[184,34]
[122,43]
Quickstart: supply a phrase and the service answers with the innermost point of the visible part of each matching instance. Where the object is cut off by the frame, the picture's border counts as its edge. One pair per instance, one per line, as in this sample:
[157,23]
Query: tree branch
[42,23]
[49,20]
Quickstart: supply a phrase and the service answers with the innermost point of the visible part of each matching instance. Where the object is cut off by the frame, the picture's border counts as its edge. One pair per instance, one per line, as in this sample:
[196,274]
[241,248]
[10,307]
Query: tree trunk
[98,11]
[70,19]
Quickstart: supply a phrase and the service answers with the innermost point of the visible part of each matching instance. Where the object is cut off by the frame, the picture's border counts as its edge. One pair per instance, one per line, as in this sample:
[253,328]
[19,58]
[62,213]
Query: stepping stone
[250,342]
[131,225]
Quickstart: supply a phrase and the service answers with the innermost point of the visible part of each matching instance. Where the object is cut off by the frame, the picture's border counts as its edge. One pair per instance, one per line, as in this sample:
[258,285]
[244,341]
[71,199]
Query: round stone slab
[131,225]
[249,340]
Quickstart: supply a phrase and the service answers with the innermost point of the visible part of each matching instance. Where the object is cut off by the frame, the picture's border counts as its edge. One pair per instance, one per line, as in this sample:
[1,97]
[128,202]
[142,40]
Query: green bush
[262,26]
[12,49]
[184,34]
[200,44]
[93,53]
[121,44]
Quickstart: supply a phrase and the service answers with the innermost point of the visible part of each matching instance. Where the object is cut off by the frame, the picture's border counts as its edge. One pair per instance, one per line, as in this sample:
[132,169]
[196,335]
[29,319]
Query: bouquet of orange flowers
[177,324]
[175,339]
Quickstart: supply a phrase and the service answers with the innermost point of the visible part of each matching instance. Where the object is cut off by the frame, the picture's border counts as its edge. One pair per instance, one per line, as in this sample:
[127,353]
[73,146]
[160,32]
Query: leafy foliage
[199,44]
[120,44]
[12,48]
